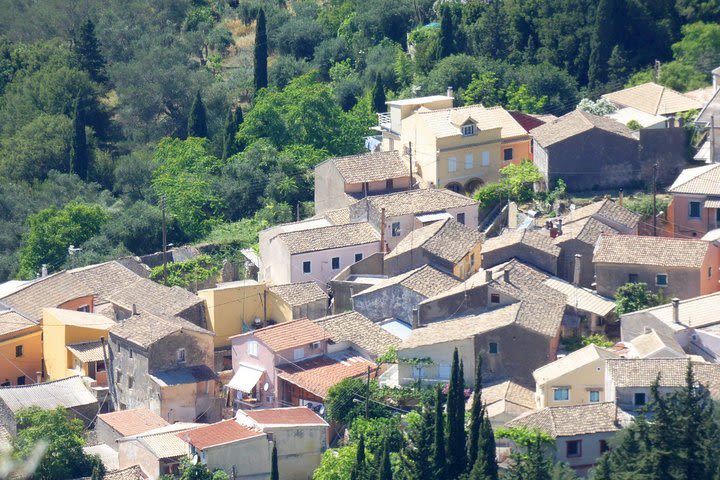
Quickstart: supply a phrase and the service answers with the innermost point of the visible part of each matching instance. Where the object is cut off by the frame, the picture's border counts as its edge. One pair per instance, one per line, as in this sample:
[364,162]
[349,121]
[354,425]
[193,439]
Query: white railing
[384,120]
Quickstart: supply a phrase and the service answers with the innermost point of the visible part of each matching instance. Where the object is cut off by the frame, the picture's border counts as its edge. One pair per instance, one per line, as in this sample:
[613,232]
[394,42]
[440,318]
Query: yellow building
[20,349]
[71,344]
[575,379]
[456,148]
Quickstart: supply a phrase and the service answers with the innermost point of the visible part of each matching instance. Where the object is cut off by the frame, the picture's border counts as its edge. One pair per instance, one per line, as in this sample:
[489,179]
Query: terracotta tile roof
[530,238]
[606,211]
[573,420]
[221,433]
[571,362]
[133,422]
[50,291]
[642,372]
[13,322]
[446,239]
[508,391]
[371,167]
[318,374]
[412,202]
[446,122]
[355,328]
[658,251]
[283,416]
[130,473]
[296,294]
[575,123]
[327,238]
[144,329]
[425,280]
[703,180]
[290,334]
[653,99]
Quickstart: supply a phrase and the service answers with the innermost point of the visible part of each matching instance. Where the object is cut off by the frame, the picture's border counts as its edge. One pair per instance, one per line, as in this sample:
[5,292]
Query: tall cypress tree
[417,455]
[456,445]
[603,469]
[359,469]
[232,125]
[385,469]
[488,448]
[477,415]
[447,33]
[608,32]
[274,474]
[478,470]
[439,459]
[197,119]
[261,52]
[378,95]
[79,153]
[87,49]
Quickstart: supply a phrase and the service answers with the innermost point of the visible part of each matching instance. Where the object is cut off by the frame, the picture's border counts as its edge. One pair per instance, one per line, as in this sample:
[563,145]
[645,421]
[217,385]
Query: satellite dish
[322,410]
[266,386]
[195,460]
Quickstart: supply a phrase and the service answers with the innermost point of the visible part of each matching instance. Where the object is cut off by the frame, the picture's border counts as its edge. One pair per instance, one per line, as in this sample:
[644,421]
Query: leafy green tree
[336,463]
[609,19]
[274,474]
[86,47]
[417,454]
[342,408]
[489,34]
[484,88]
[232,125]
[197,119]
[63,438]
[632,297]
[385,469]
[618,67]
[530,461]
[261,52]
[520,98]
[456,446]
[454,71]
[447,32]
[378,96]
[359,469]
[285,68]
[79,152]
[51,231]
[375,432]
[439,457]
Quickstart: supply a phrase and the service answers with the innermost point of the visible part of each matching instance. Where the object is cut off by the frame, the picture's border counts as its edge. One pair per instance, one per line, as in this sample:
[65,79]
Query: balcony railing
[384,120]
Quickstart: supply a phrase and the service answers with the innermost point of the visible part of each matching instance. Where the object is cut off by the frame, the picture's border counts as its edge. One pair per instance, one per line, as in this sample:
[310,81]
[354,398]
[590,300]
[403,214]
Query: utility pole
[654,194]
[411,165]
[367,395]
[712,138]
[164,240]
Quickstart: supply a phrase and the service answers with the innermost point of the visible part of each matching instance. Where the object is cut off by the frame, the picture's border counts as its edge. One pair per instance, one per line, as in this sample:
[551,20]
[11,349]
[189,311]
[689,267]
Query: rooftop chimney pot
[450,92]
[415,318]
[134,309]
[676,309]
[577,270]
[506,276]
[44,271]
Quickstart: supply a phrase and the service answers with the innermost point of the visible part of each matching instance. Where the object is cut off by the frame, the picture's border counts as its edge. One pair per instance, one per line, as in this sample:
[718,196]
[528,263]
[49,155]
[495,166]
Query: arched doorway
[455,187]
[473,184]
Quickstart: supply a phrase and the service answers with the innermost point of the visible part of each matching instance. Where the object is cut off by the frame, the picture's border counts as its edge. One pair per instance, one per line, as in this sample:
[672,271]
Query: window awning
[245,378]
[712,203]
[433,217]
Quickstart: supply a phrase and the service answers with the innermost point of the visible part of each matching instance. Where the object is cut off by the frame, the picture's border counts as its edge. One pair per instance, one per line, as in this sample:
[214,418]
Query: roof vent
[134,309]
[676,309]
[450,92]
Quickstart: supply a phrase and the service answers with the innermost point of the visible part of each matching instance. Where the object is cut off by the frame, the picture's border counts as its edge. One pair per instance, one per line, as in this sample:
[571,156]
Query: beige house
[653,99]
[505,401]
[575,379]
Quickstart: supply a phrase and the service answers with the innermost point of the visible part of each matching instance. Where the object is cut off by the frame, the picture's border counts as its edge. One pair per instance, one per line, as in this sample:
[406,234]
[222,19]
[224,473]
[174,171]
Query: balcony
[384,122]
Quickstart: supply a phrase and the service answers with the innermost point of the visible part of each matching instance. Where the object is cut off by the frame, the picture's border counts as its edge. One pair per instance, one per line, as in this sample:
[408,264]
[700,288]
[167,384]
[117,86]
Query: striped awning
[87,351]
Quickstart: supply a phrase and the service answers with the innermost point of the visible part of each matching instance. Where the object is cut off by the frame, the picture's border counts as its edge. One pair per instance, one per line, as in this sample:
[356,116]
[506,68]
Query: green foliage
[575,343]
[232,125]
[52,231]
[187,273]
[447,32]
[385,470]
[439,457]
[516,184]
[79,154]
[261,52]
[274,473]
[378,96]
[64,440]
[606,35]
[632,297]
[642,204]
[197,119]
[520,98]
[86,47]
[524,436]
[377,433]
[285,68]
[336,463]
[345,401]
[417,454]
[485,89]
[530,461]
[456,437]
[634,125]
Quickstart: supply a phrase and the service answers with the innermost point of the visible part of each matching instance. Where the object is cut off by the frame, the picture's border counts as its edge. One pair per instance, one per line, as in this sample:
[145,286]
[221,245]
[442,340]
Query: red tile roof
[220,433]
[285,416]
[133,422]
[317,375]
[290,334]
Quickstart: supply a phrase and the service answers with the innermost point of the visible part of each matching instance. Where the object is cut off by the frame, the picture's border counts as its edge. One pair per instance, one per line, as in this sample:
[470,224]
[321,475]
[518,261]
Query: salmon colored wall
[683,226]
[12,367]
[709,284]
[522,150]
[77,303]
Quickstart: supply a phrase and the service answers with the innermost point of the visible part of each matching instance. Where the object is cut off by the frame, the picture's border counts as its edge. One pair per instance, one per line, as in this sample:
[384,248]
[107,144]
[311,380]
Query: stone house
[654,344]
[446,245]
[590,152]
[342,181]
[352,330]
[505,401]
[397,297]
[297,300]
[20,348]
[653,99]
[675,267]
[695,206]
[300,433]
[575,379]
[527,246]
[125,423]
[581,432]
[407,211]
[164,364]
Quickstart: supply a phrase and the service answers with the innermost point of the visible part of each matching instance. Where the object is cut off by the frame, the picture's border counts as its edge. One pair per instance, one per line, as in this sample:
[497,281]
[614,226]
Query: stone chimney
[577,271]
[506,276]
[134,309]
[415,318]
[620,197]
[488,275]
[450,92]
[676,309]
[43,271]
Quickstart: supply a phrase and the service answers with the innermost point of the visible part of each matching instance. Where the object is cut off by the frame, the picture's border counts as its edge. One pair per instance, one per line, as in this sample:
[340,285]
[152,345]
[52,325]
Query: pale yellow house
[20,349]
[71,344]
[575,379]
[456,148]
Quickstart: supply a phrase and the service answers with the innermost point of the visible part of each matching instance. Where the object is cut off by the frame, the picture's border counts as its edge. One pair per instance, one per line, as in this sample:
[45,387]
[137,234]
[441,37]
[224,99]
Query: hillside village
[396,260]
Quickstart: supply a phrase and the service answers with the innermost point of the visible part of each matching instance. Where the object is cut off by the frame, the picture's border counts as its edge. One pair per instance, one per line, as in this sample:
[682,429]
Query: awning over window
[712,202]
[245,378]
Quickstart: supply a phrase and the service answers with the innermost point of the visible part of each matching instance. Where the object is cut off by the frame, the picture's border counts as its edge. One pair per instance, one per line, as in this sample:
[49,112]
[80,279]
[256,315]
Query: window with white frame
[561,394]
[452,164]
[661,279]
[469,160]
[358,257]
[252,348]
[298,353]
[395,229]
[485,158]
[467,130]
[594,396]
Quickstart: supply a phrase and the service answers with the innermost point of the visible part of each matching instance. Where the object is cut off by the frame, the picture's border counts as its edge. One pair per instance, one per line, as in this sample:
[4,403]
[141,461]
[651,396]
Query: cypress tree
[232,125]
[79,154]
[456,448]
[385,470]
[197,119]
[274,474]
[417,455]
[261,52]
[87,49]
[378,95]
[478,471]
[447,33]
[477,415]
[439,466]
[358,471]
[603,471]
[488,448]
[607,34]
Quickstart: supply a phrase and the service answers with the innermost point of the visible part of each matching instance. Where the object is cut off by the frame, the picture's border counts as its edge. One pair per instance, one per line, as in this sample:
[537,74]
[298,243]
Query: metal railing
[384,120]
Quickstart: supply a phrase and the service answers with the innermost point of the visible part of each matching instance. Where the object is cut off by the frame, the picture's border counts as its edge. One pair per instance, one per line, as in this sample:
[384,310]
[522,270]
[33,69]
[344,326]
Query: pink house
[695,206]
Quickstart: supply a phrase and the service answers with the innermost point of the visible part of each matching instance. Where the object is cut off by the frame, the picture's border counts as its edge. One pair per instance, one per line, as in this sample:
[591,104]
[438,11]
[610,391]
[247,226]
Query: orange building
[20,349]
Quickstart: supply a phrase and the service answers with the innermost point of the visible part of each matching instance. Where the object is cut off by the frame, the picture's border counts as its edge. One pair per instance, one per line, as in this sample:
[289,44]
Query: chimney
[415,318]
[647,329]
[38,377]
[559,226]
[382,230]
[676,309]
[488,275]
[450,92]
[506,276]
[620,197]
[43,271]
[577,270]
[134,309]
